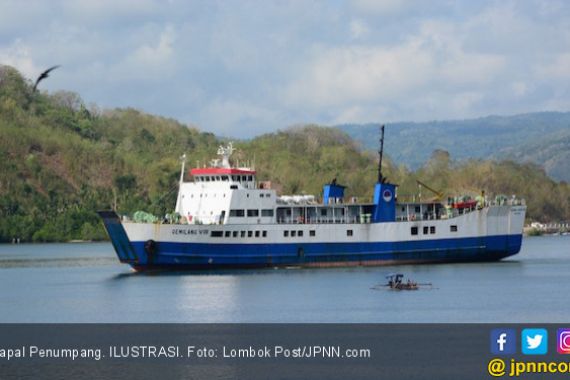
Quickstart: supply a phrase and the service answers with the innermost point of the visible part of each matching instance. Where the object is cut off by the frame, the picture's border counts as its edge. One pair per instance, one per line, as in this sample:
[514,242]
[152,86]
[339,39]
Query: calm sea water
[85,283]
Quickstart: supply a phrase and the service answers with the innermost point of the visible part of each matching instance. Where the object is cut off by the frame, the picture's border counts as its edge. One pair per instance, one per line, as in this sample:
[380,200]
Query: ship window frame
[453,228]
[267,213]
[300,233]
[217,234]
[312,233]
[293,233]
[432,230]
[242,234]
[257,233]
[237,213]
[414,230]
[249,234]
[349,233]
[252,213]
[426,230]
[235,234]
[227,234]
[264,234]
[285,233]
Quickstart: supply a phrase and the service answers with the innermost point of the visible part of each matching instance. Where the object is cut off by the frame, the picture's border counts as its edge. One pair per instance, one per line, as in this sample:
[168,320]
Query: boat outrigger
[225,218]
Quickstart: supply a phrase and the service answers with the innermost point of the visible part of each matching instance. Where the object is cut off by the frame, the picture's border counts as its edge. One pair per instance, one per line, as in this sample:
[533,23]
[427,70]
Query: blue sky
[241,68]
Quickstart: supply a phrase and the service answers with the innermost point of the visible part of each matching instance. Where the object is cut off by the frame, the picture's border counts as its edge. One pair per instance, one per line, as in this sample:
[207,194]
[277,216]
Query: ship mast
[381,179]
[178,199]
[183,159]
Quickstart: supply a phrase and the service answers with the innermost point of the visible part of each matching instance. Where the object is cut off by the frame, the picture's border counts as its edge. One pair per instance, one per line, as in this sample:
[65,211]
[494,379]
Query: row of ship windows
[312,233]
[251,213]
[430,229]
[286,233]
[297,233]
[235,178]
[206,195]
[238,234]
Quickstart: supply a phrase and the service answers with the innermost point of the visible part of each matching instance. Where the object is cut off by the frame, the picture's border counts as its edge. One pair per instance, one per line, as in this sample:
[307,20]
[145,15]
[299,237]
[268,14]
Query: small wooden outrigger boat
[396,282]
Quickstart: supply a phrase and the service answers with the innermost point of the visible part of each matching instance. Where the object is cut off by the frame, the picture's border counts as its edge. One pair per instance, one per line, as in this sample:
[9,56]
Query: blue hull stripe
[199,255]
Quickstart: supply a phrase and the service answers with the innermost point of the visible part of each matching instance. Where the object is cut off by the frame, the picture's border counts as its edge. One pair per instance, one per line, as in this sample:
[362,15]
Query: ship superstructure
[225,218]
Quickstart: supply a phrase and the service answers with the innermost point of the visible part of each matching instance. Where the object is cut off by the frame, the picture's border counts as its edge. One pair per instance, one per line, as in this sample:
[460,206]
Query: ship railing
[507,202]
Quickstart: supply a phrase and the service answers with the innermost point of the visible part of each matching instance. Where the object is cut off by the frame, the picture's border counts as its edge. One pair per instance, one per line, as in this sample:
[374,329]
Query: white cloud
[358,29]
[519,88]
[237,118]
[361,73]
[254,66]
[19,56]
[557,69]
[158,53]
[93,12]
[382,6]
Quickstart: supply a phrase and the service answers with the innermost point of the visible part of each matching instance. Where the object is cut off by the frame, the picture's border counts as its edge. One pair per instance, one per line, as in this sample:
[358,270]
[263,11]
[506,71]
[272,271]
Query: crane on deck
[439,194]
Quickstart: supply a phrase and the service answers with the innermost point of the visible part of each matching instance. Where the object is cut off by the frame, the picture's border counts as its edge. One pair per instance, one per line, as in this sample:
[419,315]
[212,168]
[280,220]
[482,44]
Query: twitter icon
[534,341]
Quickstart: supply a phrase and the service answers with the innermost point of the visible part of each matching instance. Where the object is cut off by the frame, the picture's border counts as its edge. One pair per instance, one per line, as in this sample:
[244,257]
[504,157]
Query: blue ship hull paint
[118,237]
[213,256]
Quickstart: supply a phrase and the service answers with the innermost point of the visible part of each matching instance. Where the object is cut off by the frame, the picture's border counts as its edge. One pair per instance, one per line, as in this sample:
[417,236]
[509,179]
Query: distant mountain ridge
[540,137]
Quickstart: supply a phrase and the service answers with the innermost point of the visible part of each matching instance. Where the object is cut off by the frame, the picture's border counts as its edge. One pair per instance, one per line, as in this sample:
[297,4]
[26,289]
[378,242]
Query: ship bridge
[242,177]
[222,194]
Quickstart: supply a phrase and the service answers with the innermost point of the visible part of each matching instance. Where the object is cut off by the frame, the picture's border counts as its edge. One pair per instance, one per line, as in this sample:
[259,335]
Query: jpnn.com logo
[503,341]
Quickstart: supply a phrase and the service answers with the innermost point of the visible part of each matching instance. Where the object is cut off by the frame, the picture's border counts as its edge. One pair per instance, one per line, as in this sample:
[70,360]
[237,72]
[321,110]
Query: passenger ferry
[225,218]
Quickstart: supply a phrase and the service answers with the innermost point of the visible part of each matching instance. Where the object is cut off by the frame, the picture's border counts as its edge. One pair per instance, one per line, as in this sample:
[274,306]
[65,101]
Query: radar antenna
[226,152]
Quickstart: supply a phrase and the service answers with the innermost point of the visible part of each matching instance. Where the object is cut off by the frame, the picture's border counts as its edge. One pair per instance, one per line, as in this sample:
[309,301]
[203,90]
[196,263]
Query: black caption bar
[260,351]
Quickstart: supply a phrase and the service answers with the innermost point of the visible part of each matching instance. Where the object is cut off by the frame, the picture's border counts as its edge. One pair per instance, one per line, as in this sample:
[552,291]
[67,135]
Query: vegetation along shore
[62,160]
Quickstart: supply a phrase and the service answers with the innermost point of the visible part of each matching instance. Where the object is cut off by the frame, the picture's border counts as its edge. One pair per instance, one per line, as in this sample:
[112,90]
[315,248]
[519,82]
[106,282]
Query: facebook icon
[503,341]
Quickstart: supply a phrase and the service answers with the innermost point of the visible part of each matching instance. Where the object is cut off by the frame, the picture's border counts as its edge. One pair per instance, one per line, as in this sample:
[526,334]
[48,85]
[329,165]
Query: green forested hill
[551,150]
[540,137]
[61,161]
